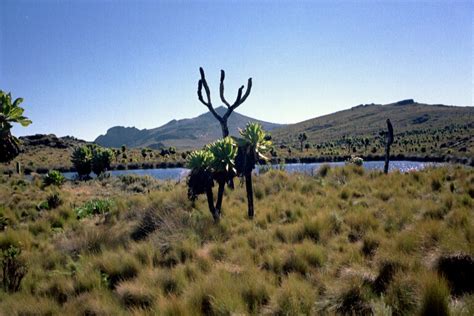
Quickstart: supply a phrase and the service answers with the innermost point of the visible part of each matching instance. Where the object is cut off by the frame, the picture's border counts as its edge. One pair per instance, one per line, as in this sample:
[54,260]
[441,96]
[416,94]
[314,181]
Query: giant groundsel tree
[10,113]
[200,178]
[252,145]
[223,165]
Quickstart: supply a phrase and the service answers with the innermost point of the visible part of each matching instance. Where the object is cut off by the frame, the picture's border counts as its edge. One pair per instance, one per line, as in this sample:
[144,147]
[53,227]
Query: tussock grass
[344,241]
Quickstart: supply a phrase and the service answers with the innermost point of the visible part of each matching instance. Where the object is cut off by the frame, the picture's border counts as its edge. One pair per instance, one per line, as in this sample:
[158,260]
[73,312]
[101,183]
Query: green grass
[310,249]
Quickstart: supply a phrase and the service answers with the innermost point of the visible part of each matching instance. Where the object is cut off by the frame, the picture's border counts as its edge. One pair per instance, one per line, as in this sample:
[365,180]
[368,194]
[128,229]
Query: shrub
[13,269]
[53,177]
[94,207]
[324,170]
[53,201]
[358,161]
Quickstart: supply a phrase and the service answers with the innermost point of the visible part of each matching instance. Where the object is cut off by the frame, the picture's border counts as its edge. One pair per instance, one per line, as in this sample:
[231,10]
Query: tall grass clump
[435,297]
[294,297]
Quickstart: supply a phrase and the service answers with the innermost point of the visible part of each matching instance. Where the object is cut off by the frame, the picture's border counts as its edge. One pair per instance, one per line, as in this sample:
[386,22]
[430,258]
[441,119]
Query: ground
[343,241]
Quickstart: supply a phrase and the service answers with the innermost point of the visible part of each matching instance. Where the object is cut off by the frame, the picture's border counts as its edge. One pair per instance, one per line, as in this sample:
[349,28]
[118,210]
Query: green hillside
[420,129]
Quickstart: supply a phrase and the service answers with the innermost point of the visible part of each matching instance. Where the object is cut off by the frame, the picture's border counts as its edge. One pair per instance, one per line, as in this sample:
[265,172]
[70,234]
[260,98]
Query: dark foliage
[459,272]
[13,269]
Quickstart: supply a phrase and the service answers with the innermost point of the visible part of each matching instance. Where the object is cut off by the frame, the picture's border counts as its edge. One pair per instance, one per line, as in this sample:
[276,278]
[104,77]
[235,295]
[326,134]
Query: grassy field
[346,241]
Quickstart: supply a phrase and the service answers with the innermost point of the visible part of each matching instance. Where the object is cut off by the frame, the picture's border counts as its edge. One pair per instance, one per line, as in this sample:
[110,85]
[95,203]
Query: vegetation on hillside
[421,131]
[345,241]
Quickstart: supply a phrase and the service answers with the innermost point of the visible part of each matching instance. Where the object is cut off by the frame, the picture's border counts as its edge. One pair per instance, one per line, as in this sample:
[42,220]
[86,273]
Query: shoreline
[274,160]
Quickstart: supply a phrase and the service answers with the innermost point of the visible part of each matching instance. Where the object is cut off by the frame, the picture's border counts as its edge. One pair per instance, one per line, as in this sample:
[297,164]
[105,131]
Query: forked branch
[202,83]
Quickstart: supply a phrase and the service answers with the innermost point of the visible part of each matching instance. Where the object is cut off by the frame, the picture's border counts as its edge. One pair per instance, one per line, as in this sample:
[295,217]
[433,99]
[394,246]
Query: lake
[307,168]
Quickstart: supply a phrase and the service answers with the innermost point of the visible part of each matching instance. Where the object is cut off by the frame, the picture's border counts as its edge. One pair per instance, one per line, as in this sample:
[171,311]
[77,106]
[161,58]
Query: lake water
[307,168]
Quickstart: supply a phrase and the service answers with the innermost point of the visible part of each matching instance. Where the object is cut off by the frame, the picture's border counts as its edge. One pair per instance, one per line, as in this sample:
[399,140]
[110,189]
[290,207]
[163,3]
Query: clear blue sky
[85,66]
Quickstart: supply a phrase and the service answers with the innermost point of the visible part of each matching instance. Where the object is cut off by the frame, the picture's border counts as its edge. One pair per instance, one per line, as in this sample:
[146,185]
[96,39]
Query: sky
[85,66]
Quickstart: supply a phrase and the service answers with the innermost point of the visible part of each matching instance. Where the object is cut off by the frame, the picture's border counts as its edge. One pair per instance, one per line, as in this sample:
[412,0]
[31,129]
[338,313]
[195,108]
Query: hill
[183,134]
[420,130]
[369,119]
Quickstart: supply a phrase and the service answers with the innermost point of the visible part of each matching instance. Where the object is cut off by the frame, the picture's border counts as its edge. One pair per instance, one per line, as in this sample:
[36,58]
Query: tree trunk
[387,158]
[225,128]
[9,148]
[388,143]
[248,186]
[210,202]
[220,194]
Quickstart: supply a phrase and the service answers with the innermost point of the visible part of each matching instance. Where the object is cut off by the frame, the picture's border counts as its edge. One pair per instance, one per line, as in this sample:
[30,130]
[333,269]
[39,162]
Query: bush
[53,177]
[13,269]
[324,170]
[94,207]
[53,201]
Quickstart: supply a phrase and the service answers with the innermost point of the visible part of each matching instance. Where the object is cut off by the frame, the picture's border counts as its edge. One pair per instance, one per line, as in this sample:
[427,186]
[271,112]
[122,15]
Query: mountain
[183,134]
[406,116]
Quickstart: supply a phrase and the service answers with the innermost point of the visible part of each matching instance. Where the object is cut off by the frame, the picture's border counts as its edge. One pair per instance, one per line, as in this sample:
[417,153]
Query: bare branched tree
[241,97]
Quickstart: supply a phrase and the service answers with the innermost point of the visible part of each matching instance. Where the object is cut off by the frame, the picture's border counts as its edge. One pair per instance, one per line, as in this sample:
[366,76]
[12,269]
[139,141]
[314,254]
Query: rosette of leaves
[81,159]
[200,179]
[10,113]
[54,177]
[252,146]
[101,160]
[223,165]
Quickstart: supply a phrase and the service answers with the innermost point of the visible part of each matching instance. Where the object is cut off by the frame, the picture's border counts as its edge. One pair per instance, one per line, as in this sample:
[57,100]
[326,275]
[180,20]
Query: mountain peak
[183,134]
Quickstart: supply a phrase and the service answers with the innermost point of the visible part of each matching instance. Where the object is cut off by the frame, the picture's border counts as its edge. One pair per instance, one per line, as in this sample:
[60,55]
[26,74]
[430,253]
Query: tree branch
[221,89]
[241,99]
[203,83]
